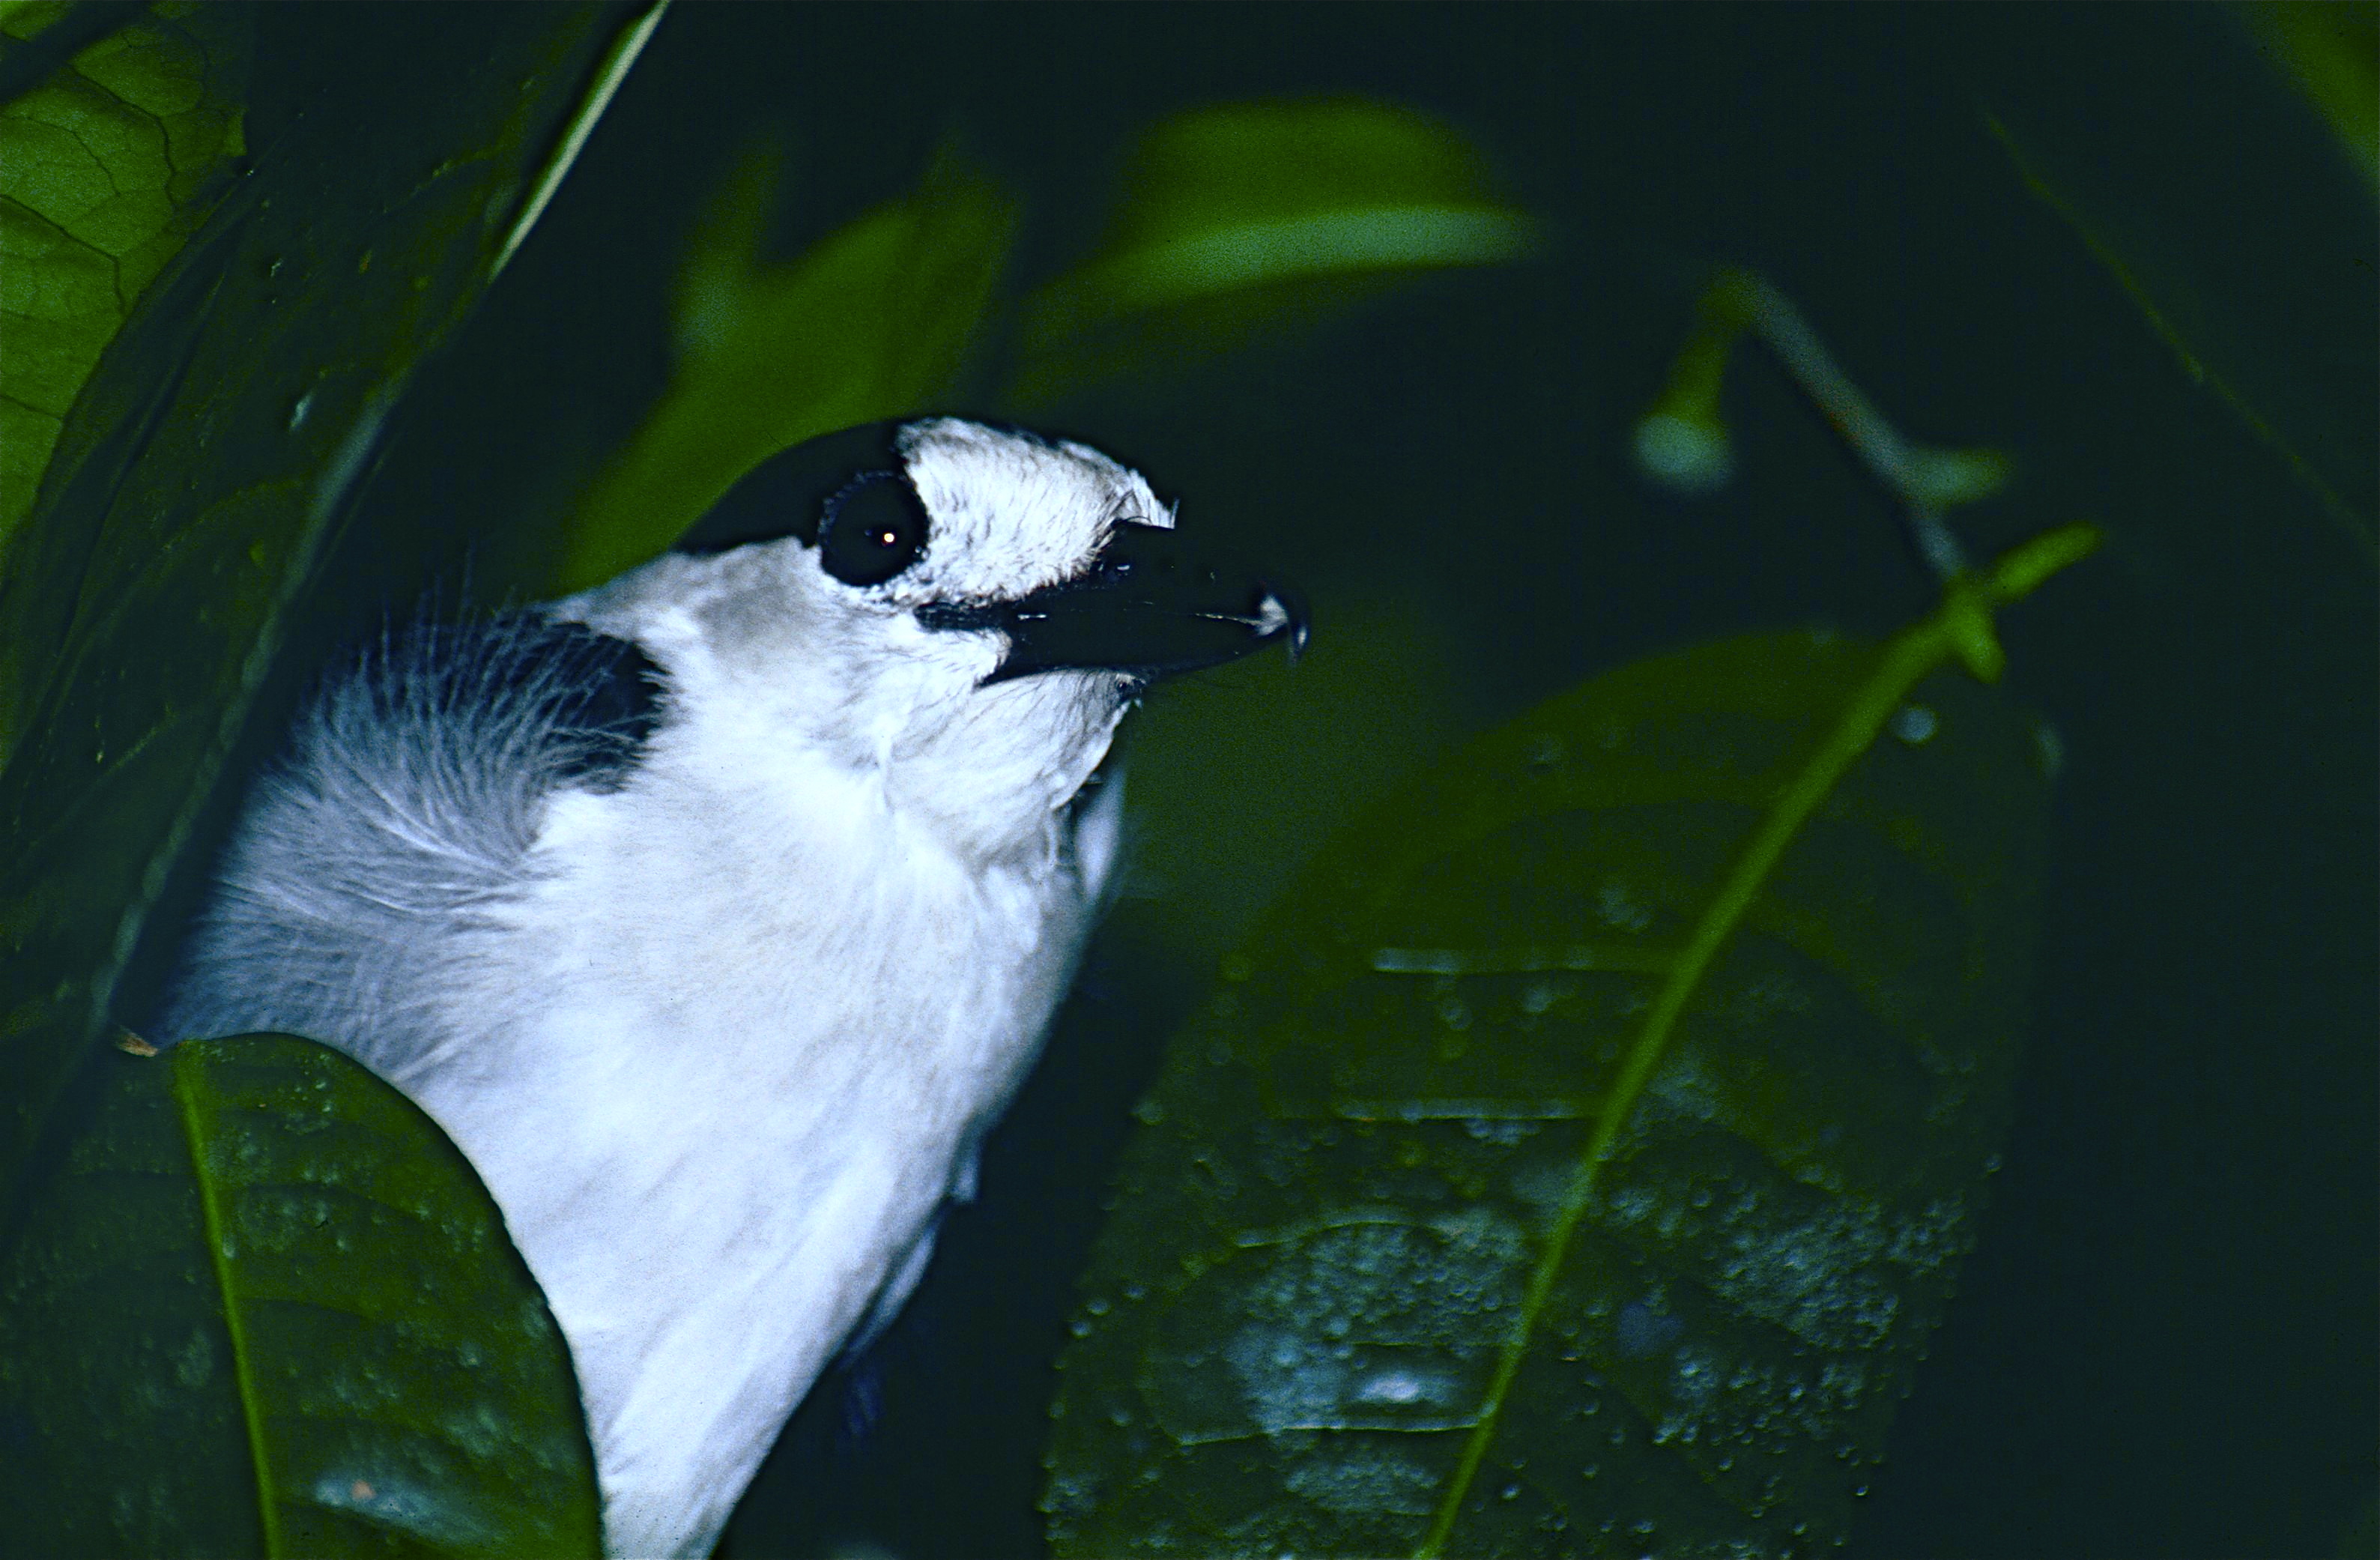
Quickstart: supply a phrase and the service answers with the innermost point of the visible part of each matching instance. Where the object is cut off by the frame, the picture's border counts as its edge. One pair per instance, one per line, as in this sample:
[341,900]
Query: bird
[716,912]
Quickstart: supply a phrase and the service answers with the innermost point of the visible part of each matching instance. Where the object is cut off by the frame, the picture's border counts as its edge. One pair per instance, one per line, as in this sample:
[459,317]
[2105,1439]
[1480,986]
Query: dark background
[2166,1344]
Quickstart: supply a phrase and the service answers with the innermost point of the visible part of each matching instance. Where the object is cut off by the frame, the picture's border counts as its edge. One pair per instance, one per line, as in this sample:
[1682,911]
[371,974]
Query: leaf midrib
[1907,660]
[189,1081]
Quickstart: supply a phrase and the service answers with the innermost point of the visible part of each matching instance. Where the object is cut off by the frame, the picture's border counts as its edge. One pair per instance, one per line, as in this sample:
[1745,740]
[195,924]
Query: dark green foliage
[2097,244]
[203,473]
[1328,1239]
[266,1307]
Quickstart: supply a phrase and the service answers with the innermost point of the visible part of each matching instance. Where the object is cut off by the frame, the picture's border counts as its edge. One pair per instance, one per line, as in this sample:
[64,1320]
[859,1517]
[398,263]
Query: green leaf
[1237,216]
[105,170]
[268,1309]
[1579,1160]
[871,323]
[198,481]
[205,471]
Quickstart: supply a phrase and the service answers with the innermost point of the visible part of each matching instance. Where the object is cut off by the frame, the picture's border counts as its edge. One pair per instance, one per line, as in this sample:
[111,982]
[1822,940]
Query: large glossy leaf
[1578,1161]
[267,1309]
[207,464]
[106,169]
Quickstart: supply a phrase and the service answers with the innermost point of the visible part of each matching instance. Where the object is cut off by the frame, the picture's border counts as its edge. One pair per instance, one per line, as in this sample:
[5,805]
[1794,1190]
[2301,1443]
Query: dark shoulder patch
[575,705]
[785,494]
[605,711]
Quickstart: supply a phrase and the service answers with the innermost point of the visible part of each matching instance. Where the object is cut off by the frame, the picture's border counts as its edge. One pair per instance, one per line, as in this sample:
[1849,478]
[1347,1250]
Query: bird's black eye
[874,528]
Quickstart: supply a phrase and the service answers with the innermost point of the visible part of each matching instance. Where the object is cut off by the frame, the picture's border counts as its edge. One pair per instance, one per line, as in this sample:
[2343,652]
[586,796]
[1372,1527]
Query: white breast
[739,1099]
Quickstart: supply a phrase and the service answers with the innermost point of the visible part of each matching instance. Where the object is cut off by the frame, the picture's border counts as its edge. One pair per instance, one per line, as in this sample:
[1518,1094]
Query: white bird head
[962,610]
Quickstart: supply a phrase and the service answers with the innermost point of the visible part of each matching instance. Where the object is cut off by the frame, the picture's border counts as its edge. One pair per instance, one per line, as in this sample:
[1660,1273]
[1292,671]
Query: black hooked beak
[1146,608]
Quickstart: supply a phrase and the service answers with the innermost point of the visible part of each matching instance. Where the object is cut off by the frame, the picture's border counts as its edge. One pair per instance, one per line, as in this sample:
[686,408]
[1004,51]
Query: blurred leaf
[1578,1161]
[2332,51]
[205,470]
[2194,245]
[1237,215]
[105,170]
[266,1308]
[871,323]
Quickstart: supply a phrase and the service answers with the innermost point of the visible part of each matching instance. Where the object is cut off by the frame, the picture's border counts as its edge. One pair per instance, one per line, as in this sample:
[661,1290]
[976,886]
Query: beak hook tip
[1290,620]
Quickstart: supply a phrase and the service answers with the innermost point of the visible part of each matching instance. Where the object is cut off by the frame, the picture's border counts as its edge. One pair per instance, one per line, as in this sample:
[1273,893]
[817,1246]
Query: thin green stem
[1901,468]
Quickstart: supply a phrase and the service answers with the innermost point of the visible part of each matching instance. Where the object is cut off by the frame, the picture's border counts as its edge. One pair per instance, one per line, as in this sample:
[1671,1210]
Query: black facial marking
[875,527]
[787,493]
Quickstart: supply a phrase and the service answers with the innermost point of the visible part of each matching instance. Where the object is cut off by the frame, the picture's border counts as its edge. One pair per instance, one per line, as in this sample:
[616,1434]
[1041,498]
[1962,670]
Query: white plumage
[717,912]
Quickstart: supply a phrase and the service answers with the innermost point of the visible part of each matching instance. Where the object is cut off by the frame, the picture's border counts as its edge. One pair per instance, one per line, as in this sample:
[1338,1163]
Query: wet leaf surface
[267,1309]
[1381,1274]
